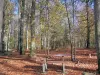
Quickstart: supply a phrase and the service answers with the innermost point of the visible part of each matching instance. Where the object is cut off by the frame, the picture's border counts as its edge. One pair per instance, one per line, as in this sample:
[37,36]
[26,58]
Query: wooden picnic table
[44,61]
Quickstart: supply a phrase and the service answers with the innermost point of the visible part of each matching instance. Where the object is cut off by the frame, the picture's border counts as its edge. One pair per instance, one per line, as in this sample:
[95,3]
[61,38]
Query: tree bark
[1,24]
[22,5]
[88,27]
[32,28]
[47,20]
[97,29]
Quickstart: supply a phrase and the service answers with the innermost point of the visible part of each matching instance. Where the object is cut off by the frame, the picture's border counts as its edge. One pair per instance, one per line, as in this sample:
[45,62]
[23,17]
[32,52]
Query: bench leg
[46,67]
[43,68]
[63,68]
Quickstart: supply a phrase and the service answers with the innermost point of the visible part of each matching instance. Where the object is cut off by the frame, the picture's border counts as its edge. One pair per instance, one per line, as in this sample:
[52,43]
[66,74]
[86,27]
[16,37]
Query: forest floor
[16,64]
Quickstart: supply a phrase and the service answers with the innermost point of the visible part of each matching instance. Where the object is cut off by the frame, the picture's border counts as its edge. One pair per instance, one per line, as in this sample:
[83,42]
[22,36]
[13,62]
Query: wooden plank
[86,73]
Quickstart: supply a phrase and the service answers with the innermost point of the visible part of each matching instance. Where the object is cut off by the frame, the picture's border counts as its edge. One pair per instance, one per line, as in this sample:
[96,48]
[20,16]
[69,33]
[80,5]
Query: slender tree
[47,23]
[22,5]
[32,28]
[70,34]
[88,26]
[73,5]
[41,11]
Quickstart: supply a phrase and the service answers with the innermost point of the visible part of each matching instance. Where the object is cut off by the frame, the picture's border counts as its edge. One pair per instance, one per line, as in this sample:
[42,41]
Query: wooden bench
[86,73]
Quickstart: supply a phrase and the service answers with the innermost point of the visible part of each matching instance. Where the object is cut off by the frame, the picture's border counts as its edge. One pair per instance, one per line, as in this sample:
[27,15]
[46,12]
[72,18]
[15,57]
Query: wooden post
[63,66]
[89,55]
[43,68]
[45,61]
[44,65]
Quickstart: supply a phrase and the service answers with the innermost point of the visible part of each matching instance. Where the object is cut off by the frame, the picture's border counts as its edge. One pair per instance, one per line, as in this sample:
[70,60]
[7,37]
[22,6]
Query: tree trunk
[27,38]
[73,36]
[41,9]
[70,34]
[47,20]
[88,27]
[1,24]
[97,29]
[8,36]
[22,4]
[32,28]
